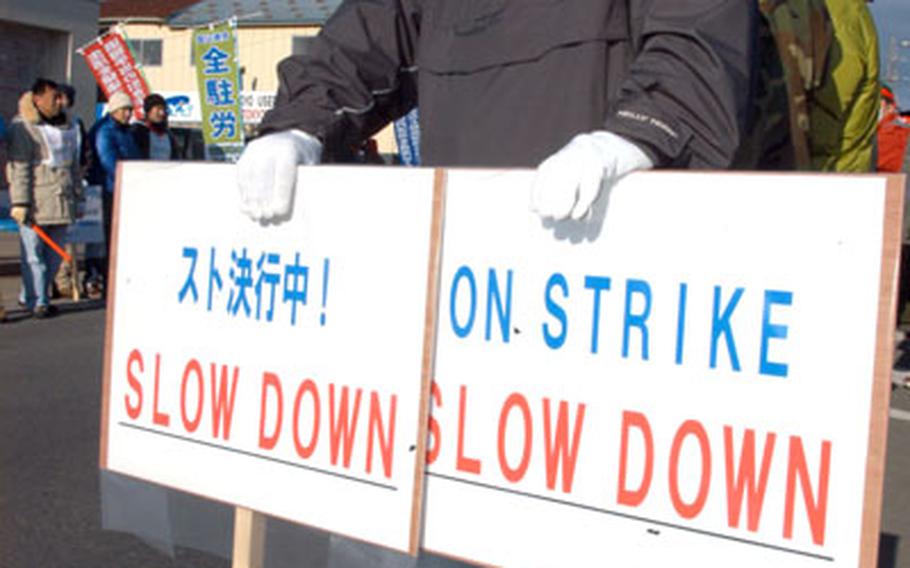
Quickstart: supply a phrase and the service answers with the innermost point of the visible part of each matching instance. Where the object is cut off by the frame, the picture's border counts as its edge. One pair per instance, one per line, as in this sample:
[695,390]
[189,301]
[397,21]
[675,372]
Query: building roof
[255,12]
[149,10]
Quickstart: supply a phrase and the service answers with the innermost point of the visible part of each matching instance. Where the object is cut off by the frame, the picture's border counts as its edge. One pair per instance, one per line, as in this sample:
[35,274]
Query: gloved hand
[19,213]
[569,181]
[267,172]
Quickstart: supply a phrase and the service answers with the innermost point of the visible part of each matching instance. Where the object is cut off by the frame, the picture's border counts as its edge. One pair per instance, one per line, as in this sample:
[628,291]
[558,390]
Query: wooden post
[249,539]
[74,273]
[881,385]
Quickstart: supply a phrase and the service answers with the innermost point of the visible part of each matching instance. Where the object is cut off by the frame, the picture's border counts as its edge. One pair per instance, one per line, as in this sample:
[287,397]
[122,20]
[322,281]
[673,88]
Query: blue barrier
[407,136]
[7,225]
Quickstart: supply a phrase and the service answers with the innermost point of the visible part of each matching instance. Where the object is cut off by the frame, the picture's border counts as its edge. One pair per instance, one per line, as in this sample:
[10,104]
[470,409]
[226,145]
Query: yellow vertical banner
[218,77]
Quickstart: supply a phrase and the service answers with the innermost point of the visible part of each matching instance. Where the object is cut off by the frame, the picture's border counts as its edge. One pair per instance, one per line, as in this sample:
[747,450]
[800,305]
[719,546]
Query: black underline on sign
[259,456]
[633,517]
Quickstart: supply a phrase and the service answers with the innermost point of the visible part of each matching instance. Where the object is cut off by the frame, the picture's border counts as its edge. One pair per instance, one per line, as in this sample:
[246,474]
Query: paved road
[50,515]
[50,374]
[895,542]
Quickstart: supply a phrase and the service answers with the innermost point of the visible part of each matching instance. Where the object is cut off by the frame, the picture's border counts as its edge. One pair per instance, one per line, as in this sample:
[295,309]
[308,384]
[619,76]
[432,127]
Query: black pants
[96,268]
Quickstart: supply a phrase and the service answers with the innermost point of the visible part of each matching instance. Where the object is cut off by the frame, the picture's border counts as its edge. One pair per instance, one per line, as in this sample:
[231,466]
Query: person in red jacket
[893,134]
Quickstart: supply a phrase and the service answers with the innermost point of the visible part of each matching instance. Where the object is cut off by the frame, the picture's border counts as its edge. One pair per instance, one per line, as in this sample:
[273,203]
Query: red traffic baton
[50,242]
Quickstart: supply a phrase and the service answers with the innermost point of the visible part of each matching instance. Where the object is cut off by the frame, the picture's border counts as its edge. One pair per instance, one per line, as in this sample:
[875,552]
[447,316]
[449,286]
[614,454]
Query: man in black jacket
[618,85]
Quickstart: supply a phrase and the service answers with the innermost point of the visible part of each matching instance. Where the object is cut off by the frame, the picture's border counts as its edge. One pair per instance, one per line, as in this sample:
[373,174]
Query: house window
[147,51]
[301,45]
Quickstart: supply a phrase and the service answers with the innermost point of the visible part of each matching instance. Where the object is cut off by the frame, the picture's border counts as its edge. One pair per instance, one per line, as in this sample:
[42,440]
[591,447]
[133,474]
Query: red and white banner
[114,67]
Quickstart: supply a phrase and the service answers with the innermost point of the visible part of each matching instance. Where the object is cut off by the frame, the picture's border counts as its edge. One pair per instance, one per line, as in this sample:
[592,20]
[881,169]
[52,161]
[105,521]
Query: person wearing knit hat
[111,141]
[153,137]
[119,101]
[152,101]
[66,280]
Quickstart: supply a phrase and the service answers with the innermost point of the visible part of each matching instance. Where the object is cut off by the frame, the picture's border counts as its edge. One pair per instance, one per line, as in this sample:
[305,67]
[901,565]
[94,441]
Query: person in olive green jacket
[844,114]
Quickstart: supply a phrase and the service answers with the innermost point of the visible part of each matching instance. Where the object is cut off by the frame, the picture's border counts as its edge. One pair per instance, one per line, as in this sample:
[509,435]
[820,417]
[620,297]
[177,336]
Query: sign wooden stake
[249,539]
[74,272]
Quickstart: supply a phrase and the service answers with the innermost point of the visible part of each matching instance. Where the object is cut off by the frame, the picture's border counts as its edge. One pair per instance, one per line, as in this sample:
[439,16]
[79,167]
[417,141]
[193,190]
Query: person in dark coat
[111,141]
[64,280]
[68,100]
[602,87]
[153,136]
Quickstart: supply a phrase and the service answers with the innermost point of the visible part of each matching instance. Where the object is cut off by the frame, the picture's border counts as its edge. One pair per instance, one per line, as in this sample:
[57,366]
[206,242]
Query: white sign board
[182,106]
[89,224]
[687,381]
[276,368]
[255,104]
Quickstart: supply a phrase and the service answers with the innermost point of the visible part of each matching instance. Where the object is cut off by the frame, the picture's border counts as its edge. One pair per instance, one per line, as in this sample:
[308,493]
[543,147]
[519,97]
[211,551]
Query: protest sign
[255,104]
[218,77]
[183,106]
[699,377]
[407,138]
[279,368]
[88,225]
[114,67]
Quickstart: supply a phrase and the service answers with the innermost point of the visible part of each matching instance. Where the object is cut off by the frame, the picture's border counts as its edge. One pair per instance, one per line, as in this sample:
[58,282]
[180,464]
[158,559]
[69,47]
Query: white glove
[569,181]
[267,172]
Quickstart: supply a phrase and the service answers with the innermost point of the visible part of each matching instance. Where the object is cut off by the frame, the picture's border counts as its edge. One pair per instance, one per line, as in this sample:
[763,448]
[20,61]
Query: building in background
[892,18]
[39,38]
[160,34]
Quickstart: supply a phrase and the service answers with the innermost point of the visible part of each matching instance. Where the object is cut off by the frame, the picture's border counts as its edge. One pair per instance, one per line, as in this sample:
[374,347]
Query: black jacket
[508,82]
[141,134]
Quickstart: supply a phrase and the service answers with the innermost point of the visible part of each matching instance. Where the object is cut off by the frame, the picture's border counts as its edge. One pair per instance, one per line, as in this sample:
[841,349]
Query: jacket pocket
[53,195]
[464,14]
[463,36]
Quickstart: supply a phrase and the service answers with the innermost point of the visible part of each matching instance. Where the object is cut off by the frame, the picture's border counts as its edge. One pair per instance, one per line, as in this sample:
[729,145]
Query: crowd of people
[51,158]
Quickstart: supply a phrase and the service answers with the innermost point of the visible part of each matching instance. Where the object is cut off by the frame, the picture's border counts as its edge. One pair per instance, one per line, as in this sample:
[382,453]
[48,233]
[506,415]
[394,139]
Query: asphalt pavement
[50,505]
[50,399]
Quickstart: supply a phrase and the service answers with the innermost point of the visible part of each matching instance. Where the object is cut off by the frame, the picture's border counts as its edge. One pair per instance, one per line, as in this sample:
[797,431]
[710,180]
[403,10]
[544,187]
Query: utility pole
[892,73]
[894,59]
